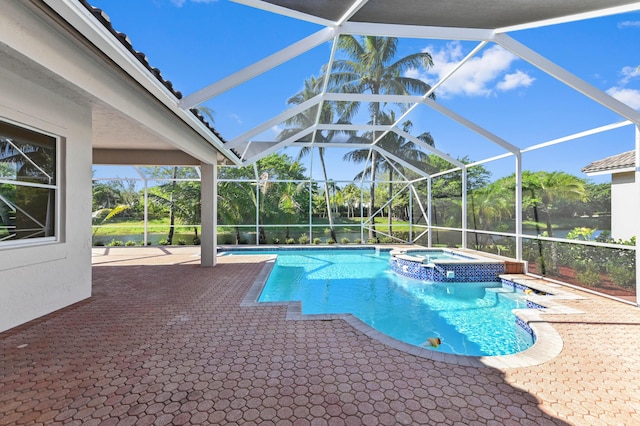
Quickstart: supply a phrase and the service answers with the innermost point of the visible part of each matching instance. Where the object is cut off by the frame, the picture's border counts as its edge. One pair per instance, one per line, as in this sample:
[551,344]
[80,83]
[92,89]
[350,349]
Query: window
[28,184]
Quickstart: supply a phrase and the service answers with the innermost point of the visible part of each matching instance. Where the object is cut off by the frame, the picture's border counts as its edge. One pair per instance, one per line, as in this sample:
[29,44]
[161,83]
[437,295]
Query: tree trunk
[172,216]
[554,248]
[326,197]
[543,268]
[372,197]
[237,235]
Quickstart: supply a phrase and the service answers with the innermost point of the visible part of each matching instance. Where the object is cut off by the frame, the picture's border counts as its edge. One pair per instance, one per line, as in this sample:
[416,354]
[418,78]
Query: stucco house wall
[625,210]
[60,75]
[40,278]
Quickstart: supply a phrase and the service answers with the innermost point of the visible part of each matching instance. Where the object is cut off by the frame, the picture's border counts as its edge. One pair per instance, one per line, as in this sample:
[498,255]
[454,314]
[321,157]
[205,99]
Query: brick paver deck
[164,341]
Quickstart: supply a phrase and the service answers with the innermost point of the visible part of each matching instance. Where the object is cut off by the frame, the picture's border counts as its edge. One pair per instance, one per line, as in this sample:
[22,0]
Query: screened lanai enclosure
[413,122]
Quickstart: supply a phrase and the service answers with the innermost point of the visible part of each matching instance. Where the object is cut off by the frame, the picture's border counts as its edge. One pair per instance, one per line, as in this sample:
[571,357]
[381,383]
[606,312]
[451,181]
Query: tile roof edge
[104,19]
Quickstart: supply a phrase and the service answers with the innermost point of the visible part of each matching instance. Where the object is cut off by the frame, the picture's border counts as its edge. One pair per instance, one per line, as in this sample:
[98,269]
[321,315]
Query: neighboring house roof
[103,18]
[616,163]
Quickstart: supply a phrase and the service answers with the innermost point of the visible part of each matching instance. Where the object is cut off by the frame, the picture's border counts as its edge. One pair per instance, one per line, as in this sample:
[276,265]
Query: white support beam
[398,160]
[325,84]
[567,78]
[428,147]
[208,213]
[465,210]
[279,145]
[471,126]
[274,121]
[415,31]
[393,165]
[518,206]
[579,135]
[370,97]
[433,88]
[332,145]
[490,159]
[637,206]
[353,9]
[258,68]
[429,210]
[356,127]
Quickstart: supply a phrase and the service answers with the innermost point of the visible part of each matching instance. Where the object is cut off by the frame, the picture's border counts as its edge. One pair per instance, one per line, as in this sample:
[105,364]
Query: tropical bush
[304,239]
[317,241]
[345,241]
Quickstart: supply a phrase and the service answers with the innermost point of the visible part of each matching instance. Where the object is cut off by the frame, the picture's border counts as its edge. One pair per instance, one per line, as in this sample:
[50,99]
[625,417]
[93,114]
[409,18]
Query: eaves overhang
[78,14]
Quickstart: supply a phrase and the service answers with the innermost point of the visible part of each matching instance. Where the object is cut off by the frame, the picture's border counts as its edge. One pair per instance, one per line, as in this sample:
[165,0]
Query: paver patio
[165,341]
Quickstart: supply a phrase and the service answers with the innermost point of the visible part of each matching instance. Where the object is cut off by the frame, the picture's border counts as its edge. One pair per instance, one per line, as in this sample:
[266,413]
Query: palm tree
[395,144]
[370,66]
[488,207]
[339,111]
[545,189]
[351,195]
[288,204]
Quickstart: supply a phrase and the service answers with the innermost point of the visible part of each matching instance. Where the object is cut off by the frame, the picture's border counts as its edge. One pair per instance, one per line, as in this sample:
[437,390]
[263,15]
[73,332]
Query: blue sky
[197,42]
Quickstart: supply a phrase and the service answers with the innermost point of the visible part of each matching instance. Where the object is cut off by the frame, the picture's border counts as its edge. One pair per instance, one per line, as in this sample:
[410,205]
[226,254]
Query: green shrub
[290,241]
[372,241]
[130,243]
[304,239]
[196,241]
[589,276]
[317,241]
[276,241]
[345,241]
[331,241]
[622,275]
[164,242]
[115,243]
[386,240]
[358,241]
[402,235]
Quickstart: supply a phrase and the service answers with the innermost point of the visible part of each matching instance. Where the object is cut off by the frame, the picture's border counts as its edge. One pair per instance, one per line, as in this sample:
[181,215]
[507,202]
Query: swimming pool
[470,318]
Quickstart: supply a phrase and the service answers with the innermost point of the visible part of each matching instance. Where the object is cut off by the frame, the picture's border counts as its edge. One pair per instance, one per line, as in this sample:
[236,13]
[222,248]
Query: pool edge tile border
[547,346]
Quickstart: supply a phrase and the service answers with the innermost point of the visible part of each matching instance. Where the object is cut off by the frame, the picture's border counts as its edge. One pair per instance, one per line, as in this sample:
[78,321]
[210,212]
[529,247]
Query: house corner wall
[40,278]
[624,213]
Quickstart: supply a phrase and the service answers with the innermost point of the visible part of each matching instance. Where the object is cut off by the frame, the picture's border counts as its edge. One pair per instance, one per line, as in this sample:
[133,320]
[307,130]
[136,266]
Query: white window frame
[56,238]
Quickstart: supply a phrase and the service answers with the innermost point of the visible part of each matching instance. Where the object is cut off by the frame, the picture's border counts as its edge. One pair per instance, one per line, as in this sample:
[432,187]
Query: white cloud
[629,73]
[630,97]
[623,93]
[180,3]
[277,129]
[237,118]
[515,80]
[482,75]
[627,24]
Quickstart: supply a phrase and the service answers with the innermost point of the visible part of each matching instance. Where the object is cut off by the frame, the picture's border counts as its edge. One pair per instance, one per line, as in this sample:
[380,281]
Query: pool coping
[547,345]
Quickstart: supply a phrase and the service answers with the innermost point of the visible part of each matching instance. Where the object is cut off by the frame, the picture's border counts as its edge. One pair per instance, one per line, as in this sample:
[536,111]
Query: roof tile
[615,162]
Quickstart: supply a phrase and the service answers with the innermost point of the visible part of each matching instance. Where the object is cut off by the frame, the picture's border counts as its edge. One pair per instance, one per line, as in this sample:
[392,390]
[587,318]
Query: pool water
[428,256]
[470,318]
